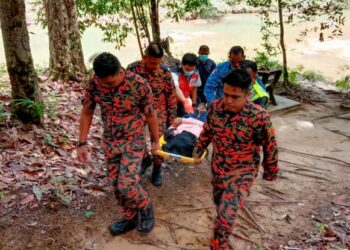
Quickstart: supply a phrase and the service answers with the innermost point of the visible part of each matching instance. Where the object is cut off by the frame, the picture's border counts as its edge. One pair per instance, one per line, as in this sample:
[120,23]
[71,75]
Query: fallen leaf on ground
[27,199]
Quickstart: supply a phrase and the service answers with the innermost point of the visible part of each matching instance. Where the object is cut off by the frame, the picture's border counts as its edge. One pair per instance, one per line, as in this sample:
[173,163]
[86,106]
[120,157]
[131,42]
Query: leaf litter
[41,163]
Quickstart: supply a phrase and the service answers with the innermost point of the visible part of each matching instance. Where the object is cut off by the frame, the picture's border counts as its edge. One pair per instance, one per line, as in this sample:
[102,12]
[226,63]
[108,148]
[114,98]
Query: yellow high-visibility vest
[257,92]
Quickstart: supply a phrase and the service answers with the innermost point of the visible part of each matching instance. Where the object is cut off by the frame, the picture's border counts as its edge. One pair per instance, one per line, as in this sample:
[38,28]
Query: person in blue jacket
[214,87]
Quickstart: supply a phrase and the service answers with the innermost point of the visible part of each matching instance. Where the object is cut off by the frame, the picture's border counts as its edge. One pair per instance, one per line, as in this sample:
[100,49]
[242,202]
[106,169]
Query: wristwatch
[81,143]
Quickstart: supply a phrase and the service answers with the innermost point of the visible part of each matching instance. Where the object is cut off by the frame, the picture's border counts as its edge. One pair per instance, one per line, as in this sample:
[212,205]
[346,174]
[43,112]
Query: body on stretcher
[176,157]
[192,123]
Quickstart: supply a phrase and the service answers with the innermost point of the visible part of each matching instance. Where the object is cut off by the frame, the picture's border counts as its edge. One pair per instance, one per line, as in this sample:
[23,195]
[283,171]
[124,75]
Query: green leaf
[52,144]
[64,199]
[48,137]
[321,227]
[89,214]
[38,193]
[58,179]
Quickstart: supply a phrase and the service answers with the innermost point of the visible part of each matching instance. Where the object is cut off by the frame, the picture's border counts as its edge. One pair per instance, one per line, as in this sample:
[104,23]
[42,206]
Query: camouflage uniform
[123,110]
[237,139]
[162,85]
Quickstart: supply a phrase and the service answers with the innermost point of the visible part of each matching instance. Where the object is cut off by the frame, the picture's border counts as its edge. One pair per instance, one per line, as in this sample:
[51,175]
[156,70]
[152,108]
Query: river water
[329,57]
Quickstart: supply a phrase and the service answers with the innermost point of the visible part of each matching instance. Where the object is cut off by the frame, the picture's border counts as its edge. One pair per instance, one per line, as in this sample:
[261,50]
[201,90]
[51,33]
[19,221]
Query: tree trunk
[154,17]
[143,23]
[76,49]
[282,43]
[57,22]
[24,81]
[137,29]
[66,56]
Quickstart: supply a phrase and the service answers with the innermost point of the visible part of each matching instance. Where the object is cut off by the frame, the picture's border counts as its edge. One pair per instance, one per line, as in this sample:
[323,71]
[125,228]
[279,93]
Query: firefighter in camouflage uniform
[237,129]
[126,103]
[160,80]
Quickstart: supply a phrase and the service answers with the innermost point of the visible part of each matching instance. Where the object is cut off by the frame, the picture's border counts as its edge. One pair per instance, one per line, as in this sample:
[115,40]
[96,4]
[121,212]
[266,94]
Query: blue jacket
[214,88]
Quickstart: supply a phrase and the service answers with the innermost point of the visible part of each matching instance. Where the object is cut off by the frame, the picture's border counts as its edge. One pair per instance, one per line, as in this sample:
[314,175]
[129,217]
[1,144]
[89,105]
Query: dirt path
[313,192]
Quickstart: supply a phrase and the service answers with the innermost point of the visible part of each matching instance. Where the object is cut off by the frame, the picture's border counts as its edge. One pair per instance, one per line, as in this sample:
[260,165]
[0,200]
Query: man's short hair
[154,50]
[206,47]
[250,64]
[189,59]
[106,64]
[236,50]
[239,78]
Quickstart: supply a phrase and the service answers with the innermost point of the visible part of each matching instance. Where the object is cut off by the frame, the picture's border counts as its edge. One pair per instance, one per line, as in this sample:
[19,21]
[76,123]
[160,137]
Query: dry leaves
[39,165]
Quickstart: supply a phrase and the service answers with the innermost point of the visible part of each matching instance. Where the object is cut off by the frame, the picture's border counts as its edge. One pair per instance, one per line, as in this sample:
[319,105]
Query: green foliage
[65,200]
[313,76]
[264,61]
[4,115]
[300,73]
[115,17]
[294,74]
[320,227]
[344,84]
[3,69]
[233,2]
[89,214]
[50,140]
[111,16]
[209,11]
[40,70]
[346,4]
[37,108]
[65,138]
[52,104]
[260,247]
[39,8]
[178,9]
[341,248]
[59,179]
[295,13]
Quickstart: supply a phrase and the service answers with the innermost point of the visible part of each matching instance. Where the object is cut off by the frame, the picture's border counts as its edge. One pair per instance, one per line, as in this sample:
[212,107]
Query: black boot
[146,220]
[123,226]
[157,176]
[146,163]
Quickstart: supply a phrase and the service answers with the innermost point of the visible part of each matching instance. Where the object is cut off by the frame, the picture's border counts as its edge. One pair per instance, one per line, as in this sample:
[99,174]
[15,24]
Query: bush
[343,84]
[209,12]
[264,61]
[294,75]
[313,76]
[232,2]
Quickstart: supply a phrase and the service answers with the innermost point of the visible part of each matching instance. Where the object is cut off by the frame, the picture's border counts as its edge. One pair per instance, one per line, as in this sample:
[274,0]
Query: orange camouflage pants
[124,169]
[230,192]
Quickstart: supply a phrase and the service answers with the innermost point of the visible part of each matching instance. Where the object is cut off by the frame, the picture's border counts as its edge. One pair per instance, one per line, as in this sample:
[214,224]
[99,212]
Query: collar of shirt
[221,108]
[97,81]
[144,70]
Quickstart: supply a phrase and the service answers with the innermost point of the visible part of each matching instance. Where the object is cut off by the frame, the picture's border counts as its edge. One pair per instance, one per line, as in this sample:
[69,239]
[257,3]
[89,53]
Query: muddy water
[328,57]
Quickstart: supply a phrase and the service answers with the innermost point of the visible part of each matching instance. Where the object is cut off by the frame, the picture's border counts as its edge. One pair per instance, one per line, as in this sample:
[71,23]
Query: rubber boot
[146,220]
[122,226]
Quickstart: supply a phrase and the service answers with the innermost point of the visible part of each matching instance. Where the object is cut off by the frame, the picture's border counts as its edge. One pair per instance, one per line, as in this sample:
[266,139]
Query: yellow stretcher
[176,157]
